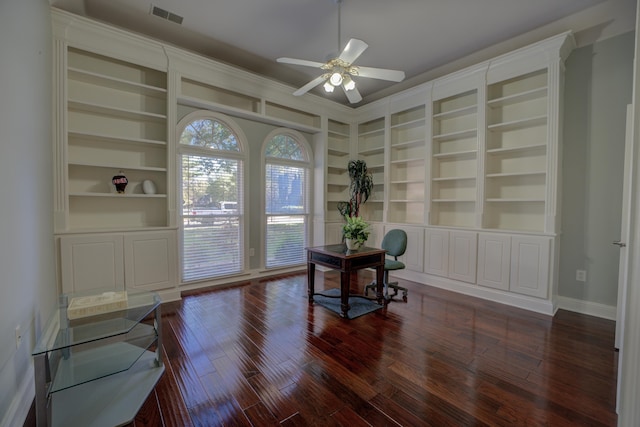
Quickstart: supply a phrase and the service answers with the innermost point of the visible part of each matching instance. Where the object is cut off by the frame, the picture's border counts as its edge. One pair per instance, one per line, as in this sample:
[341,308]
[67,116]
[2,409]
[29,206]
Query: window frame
[242,156]
[308,163]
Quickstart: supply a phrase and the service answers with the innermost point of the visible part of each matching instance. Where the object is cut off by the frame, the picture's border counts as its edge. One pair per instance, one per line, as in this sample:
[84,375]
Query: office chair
[395,243]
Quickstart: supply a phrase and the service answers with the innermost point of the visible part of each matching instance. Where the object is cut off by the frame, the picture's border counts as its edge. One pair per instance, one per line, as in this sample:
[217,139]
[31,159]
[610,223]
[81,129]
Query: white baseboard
[172,294]
[230,280]
[509,298]
[587,307]
[21,403]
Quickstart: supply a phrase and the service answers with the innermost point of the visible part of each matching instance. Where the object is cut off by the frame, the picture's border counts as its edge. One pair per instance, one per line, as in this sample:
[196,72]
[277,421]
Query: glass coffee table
[98,359]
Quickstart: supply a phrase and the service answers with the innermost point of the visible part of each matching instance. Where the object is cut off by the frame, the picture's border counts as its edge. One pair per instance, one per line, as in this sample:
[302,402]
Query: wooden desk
[338,257]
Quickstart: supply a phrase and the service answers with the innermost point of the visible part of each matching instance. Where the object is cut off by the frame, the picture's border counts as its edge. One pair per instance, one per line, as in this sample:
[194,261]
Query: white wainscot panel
[463,246]
[150,260]
[91,262]
[530,265]
[436,257]
[494,254]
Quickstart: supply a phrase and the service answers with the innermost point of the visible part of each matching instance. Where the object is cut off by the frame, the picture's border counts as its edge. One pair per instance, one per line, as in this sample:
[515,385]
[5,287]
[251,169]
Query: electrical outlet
[581,275]
[252,252]
[18,336]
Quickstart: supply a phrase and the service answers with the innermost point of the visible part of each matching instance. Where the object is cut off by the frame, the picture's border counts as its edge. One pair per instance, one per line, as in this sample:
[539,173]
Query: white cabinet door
[90,262]
[141,260]
[530,265]
[436,248]
[494,253]
[413,257]
[150,260]
[463,249]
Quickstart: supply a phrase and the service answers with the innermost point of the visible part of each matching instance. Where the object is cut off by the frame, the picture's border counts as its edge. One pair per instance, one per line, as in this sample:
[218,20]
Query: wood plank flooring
[258,354]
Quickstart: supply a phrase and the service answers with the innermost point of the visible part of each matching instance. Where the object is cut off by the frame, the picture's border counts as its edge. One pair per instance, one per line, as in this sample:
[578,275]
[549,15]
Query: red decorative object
[120,181]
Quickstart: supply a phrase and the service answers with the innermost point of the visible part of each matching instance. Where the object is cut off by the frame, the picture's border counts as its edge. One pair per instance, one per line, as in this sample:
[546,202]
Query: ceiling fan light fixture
[348,83]
[336,78]
[340,70]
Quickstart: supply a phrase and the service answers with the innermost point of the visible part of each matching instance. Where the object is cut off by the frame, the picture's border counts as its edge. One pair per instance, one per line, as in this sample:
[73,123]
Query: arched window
[212,171]
[288,163]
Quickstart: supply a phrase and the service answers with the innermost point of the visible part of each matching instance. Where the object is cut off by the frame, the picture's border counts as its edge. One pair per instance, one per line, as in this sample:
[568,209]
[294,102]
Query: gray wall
[598,87]
[27,275]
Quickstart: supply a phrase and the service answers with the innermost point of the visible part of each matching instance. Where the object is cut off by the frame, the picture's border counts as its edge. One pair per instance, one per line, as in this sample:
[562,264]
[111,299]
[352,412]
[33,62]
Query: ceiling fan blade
[353,50]
[300,62]
[306,88]
[381,74]
[352,95]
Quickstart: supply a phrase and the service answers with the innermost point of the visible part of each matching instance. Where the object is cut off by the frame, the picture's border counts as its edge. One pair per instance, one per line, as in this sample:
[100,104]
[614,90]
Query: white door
[624,229]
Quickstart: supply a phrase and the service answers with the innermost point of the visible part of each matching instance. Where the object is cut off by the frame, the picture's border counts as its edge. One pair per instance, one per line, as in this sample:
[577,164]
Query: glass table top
[71,332]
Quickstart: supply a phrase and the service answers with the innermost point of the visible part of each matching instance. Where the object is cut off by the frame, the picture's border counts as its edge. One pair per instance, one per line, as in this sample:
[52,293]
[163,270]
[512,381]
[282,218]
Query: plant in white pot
[355,231]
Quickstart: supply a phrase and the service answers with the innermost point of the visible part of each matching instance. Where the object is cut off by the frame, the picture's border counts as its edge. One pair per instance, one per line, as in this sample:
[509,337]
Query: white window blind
[212,214]
[286,196]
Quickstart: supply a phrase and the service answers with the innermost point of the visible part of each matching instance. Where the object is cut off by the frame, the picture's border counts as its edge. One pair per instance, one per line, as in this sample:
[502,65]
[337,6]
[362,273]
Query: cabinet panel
[91,262]
[144,260]
[530,265]
[436,248]
[463,247]
[494,252]
[150,260]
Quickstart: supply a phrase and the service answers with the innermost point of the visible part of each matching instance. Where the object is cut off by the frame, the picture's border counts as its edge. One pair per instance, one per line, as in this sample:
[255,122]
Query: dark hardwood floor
[258,354]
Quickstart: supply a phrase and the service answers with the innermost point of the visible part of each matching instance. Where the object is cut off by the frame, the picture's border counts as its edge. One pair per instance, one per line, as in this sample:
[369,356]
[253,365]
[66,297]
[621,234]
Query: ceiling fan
[340,71]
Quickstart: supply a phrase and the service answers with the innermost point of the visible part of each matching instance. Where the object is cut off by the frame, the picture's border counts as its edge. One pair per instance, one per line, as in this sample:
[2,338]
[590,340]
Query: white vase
[352,244]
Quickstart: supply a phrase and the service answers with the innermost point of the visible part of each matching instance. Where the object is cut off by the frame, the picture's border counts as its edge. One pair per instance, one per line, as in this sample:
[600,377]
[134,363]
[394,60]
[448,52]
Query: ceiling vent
[165,14]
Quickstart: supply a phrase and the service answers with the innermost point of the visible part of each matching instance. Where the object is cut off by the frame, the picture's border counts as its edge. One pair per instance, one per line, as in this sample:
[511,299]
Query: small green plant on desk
[355,231]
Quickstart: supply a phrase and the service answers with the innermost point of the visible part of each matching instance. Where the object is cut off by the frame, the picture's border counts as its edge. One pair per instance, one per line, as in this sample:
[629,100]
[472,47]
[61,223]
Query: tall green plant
[360,188]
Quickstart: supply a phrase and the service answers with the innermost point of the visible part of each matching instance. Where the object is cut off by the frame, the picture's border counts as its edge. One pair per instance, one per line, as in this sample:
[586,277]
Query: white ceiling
[423,38]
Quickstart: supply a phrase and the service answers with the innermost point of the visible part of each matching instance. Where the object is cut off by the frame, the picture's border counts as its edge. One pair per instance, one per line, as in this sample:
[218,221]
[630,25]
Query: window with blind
[211,159]
[287,175]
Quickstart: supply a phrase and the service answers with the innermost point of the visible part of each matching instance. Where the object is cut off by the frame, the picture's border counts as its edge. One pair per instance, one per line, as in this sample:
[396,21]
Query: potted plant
[356,232]
[360,188]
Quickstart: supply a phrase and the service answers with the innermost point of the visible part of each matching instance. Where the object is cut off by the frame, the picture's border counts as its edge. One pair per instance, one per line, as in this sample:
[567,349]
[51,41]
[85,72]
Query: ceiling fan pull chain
[339,3]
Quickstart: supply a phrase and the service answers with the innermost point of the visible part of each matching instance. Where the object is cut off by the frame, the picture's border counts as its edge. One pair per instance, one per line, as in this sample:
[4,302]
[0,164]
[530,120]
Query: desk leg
[345,285]
[311,279]
[380,284]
